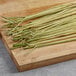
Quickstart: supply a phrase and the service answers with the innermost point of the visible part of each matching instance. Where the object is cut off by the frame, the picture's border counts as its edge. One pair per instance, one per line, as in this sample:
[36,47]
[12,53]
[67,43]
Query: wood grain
[41,56]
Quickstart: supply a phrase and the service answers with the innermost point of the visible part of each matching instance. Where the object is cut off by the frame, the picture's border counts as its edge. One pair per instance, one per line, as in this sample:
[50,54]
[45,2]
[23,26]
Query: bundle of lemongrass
[53,26]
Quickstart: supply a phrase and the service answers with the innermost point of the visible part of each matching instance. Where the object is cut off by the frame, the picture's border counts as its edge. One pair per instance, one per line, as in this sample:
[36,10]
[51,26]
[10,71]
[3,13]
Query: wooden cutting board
[39,57]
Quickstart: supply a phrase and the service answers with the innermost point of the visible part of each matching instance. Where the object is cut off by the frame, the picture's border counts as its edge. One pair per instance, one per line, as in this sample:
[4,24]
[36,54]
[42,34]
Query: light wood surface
[40,56]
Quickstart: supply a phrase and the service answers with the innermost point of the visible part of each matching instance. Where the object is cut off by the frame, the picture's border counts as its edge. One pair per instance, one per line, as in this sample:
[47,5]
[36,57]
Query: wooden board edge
[30,66]
[46,62]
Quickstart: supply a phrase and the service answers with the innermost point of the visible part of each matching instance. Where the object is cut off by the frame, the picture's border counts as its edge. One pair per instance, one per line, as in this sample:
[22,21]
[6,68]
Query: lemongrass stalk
[52,10]
[52,24]
[50,18]
[46,43]
[72,13]
[12,19]
[49,11]
[50,36]
[39,39]
[45,17]
[59,22]
[6,19]
[54,41]
[25,28]
[55,29]
[21,22]
[50,32]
